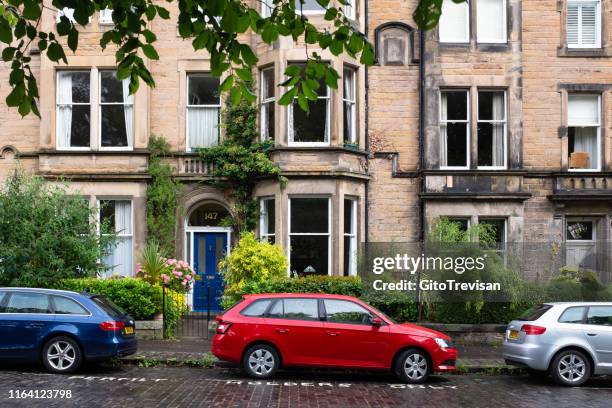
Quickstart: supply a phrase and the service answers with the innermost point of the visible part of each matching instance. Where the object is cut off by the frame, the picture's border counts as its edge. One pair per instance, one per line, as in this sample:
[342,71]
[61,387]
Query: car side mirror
[376,322]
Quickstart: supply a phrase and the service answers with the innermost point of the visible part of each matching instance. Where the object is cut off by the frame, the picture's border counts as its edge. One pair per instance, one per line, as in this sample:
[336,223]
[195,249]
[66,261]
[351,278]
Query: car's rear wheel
[61,355]
[412,366]
[571,368]
[261,361]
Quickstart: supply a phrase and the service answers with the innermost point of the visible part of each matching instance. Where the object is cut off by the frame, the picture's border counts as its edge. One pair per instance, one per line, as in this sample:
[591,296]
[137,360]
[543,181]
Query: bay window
[350,237]
[491,129]
[267,104]
[203,111]
[454,25]
[266,220]
[491,21]
[584,132]
[309,236]
[583,23]
[311,128]
[454,129]
[81,95]
[116,216]
[349,99]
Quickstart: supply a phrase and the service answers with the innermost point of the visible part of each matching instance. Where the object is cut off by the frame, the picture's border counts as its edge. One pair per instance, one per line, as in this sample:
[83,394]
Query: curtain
[585,140]
[203,126]
[453,26]
[128,112]
[120,259]
[490,21]
[498,129]
[443,138]
[349,98]
[64,109]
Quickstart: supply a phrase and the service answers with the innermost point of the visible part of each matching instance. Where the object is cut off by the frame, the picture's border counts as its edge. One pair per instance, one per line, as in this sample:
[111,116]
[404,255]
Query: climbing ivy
[162,198]
[241,160]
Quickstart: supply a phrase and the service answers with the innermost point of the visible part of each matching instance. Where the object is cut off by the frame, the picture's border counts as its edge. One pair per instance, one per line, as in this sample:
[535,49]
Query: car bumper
[445,360]
[225,347]
[115,348]
[529,355]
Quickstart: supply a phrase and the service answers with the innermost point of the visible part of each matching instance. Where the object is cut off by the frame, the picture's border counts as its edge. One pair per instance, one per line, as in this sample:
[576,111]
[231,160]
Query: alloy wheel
[571,368]
[61,355]
[415,366]
[261,362]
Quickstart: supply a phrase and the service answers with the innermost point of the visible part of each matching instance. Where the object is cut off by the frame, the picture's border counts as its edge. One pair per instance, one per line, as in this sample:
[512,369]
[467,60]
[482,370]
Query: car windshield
[109,307]
[535,313]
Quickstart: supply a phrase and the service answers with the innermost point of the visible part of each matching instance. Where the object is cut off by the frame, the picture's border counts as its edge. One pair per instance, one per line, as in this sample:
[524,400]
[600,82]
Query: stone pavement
[472,358]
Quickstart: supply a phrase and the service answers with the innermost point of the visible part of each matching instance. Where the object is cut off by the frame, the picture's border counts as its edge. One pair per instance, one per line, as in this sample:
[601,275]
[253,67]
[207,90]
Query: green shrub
[139,299]
[399,306]
[338,285]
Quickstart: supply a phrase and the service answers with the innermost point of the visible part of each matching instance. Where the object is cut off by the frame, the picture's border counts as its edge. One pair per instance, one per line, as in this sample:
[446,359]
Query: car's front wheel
[261,361]
[571,368]
[61,355]
[412,366]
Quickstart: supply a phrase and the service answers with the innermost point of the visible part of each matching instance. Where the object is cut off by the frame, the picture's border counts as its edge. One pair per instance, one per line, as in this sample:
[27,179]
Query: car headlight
[443,343]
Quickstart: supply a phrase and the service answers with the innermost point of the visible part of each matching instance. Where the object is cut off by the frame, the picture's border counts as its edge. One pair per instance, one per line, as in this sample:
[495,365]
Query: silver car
[569,341]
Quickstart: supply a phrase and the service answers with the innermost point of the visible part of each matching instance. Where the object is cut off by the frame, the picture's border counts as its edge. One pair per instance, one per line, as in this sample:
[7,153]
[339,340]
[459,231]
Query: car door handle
[333,333]
[592,334]
[33,326]
[282,331]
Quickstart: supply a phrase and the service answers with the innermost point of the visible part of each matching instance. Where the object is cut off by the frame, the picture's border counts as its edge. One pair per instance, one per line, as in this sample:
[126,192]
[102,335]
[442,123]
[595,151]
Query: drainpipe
[366,204]
[421,159]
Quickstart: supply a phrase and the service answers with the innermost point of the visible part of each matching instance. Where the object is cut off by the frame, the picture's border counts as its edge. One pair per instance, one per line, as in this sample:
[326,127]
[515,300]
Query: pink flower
[178,273]
[171,261]
[188,277]
[184,283]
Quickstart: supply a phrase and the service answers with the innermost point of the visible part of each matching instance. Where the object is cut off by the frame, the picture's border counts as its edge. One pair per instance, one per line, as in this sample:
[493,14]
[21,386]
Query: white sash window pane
[267,6]
[491,18]
[454,22]
[491,129]
[584,132]
[73,109]
[583,24]
[267,225]
[583,110]
[106,16]
[454,129]
[309,236]
[349,9]
[311,127]
[116,111]
[267,103]
[203,109]
[117,215]
[308,6]
[350,106]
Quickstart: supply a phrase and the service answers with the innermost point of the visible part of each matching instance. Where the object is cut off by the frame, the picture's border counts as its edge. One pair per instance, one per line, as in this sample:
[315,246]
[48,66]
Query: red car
[267,331]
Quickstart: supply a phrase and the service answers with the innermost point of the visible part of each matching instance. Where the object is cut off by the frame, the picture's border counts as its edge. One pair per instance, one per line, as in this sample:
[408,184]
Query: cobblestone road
[130,386]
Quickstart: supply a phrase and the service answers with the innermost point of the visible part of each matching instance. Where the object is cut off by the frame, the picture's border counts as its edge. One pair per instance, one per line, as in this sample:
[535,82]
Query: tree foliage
[211,25]
[46,234]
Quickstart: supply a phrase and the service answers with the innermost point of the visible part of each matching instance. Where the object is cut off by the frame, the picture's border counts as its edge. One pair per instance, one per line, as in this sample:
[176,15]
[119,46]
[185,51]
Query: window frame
[291,121]
[188,75]
[492,121]
[598,25]
[352,9]
[504,39]
[119,234]
[588,310]
[284,317]
[90,104]
[266,9]
[105,17]
[354,134]
[99,105]
[266,104]
[298,11]
[264,217]
[456,40]
[52,302]
[352,236]
[9,294]
[598,126]
[467,122]
[325,316]
[584,314]
[329,230]
[593,223]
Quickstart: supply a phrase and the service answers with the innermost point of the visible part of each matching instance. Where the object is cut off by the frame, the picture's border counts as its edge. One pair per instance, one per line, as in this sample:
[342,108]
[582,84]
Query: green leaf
[31,9]
[8,53]
[6,32]
[336,47]
[151,12]
[16,76]
[16,96]
[200,41]
[367,54]
[248,55]
[150,52]
[226,84]
[73,39]
[308,92]
[55,52]
[270,33]
[235,95]
[303,102]
[288,96]
[149,36]
[163,13]
[331,13]
[244,74]
[25,107]
[428,12]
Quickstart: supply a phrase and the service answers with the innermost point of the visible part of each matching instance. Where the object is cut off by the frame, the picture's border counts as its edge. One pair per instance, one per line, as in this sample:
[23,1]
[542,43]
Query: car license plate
[129,330]
[513,335]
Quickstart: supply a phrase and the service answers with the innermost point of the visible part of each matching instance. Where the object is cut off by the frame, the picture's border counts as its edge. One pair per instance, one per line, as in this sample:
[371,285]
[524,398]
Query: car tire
[61,355]
[261,361]
[571,368]
[413,366]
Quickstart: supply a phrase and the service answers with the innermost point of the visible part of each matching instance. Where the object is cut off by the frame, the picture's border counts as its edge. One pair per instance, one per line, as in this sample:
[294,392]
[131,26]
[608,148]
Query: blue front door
[208,249]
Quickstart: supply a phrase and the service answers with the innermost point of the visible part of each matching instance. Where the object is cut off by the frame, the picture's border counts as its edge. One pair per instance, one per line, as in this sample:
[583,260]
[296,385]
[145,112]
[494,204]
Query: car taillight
[223,327]
[112,326]
[531,329]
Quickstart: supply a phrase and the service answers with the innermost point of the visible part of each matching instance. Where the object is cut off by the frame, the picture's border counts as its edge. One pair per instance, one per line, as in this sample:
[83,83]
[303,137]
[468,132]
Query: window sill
[565,51]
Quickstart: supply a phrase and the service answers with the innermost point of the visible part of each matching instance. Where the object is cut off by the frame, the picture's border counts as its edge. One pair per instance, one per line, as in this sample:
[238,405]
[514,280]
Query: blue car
[61,328]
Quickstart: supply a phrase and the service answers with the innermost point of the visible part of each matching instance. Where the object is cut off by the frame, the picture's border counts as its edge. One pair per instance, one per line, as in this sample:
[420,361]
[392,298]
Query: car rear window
[257,308]
[109,307]
[572,315]
[535,313]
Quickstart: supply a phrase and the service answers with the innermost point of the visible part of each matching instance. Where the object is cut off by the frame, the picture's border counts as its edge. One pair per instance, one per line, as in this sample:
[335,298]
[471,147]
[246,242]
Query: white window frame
[598,22]
[298,11]
[328,234]
[119,233]
[69,13]
[504,16]
[267,6]
[352,104]
[99,105]
[467,122]
[457,40]
[187,106]
[349,9]
[504,122]
[90,104]
[593,223]
[266,104]
[583,125]
[501,252]
[352,235]
[326,136]
[264,217]
[105,17]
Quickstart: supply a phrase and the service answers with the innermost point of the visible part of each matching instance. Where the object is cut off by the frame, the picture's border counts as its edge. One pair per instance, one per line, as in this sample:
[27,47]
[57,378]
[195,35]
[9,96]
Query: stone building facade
[502,115]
